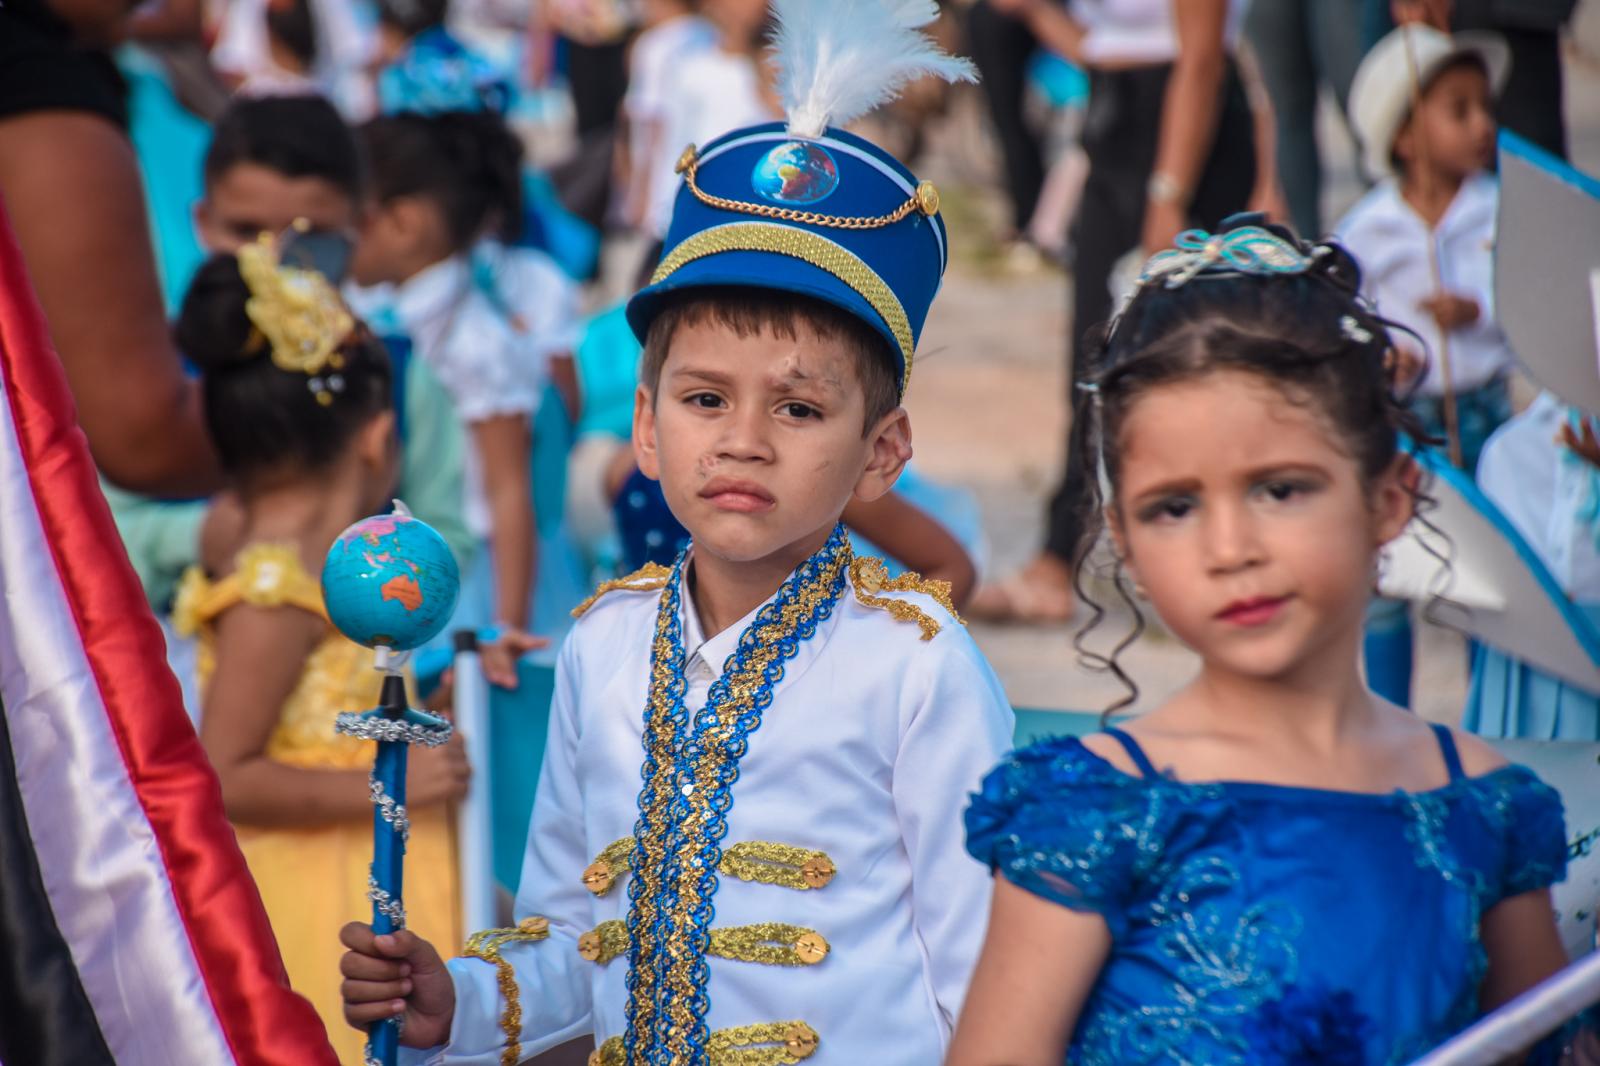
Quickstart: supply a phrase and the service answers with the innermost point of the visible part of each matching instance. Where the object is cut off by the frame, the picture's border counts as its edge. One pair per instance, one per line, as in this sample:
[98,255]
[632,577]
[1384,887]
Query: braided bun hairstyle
[265,419]
[468,162]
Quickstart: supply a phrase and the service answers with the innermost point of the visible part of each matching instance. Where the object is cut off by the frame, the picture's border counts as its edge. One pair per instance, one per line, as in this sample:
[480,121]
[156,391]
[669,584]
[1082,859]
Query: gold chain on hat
[925,199]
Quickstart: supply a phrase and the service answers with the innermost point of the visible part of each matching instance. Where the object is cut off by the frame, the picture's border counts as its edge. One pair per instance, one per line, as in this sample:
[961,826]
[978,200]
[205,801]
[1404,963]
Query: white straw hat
[1380,95]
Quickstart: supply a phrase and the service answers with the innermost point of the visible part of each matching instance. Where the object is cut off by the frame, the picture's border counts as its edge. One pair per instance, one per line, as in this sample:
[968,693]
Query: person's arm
[1189,113]
[1039,962]
[260,654]
[71,188]
[1267,196]
[456,1014]
[1523,945]
[956,723]
[1050,22]
[916,540]
[504,446]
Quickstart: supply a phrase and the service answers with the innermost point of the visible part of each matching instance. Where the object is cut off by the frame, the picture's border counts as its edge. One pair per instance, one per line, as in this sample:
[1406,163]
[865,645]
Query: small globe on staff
[390,584]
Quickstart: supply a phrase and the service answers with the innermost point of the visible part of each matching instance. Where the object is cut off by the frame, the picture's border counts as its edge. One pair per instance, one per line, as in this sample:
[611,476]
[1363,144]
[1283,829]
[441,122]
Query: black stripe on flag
[45,1017]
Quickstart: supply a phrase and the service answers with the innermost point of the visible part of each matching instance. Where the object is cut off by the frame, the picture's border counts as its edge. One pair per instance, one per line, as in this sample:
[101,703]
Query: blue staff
[391,584]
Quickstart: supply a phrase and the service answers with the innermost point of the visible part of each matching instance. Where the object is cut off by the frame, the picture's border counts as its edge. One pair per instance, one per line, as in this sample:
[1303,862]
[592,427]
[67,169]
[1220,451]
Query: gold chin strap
[925,199]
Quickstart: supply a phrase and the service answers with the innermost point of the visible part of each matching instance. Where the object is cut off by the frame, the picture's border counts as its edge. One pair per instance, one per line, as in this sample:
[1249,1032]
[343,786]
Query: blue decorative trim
[1511,144]
[693,840]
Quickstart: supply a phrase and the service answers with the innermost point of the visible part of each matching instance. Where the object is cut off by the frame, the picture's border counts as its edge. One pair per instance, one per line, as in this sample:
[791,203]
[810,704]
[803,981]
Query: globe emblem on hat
[796,172]
[390,581]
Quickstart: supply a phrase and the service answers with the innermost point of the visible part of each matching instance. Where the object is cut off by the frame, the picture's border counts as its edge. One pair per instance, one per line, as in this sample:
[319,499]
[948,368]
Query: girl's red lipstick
[1256,611]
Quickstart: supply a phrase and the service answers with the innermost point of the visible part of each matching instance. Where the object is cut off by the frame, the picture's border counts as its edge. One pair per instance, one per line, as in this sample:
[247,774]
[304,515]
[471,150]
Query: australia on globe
[390,581]
[796,172]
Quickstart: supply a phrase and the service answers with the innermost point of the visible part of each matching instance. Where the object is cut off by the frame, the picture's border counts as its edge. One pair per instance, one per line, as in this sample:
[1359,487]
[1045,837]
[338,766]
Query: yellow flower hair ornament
[298,314]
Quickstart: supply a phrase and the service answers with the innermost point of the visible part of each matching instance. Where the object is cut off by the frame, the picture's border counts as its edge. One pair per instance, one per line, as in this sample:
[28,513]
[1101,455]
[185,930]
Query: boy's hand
[396,974]
[499,660]
[1582,444]
[1451,311]
[438,775]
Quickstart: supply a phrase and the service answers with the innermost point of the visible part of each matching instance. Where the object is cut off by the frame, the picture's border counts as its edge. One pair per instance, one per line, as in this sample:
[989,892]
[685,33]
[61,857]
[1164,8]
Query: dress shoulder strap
[1135,752]
[1447,748]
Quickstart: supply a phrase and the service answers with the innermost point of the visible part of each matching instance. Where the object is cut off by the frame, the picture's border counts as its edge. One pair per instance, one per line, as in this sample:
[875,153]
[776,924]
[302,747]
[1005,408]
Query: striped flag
[130,930]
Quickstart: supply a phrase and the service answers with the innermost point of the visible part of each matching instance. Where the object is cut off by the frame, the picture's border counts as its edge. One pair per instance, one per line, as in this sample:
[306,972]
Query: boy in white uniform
[747,840]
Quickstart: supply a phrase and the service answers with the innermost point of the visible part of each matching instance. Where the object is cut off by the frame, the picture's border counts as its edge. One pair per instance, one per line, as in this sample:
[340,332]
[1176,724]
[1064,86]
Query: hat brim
[1490,49]
[773,271]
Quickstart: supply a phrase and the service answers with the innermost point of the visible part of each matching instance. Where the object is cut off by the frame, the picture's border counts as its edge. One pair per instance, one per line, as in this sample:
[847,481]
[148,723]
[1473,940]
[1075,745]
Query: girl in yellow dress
[298,399]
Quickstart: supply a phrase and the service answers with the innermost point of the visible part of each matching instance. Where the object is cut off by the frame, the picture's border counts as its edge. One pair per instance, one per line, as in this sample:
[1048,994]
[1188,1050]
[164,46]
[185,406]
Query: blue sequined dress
[1257,924]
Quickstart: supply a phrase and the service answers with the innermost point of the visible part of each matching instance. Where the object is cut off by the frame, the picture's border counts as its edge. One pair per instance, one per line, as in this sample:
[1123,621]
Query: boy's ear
[1394,499]
[1404,147]
[377,442]
[644,434]
[890,450]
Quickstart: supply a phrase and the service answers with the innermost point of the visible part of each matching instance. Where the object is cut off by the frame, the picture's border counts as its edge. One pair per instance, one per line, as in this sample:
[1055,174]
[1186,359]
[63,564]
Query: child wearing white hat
[1422,106]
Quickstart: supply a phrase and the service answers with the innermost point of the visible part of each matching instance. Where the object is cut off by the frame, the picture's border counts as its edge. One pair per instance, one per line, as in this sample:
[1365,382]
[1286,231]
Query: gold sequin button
[598,878]
[536,926]
[800,1041]
[928,198]
[589,946]
[817,871]
[810,948]
[595,1059]
[686,160]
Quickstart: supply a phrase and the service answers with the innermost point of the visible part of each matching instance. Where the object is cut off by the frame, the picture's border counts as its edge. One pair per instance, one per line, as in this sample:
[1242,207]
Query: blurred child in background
[1425,239]
[673,33]
[439,184]
[306,437]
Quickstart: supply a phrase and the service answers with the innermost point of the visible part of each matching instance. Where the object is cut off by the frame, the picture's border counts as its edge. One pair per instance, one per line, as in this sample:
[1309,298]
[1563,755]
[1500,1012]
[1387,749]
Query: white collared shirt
[492,360]
[1390,240]
[871,745]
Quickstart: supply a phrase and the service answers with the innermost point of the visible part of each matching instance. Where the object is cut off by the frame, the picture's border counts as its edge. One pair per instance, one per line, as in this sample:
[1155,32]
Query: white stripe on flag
[100,861]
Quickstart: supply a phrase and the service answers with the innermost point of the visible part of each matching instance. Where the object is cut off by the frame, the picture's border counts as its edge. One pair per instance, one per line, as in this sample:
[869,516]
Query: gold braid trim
[924,199]
[610,864]
[651,577]
[761,861]
[764,943]
[486,945]
[808,247]
[767,1044]
[604,942]
[784,865]
[870,577]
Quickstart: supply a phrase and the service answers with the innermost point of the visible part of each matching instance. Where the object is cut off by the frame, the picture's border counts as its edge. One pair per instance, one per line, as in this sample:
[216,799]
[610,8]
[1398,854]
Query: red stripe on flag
[265,1023]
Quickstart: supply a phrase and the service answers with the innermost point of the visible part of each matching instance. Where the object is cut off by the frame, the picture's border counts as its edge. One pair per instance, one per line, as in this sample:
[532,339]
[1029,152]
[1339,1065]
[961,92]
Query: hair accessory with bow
[298,314]
[1250,250]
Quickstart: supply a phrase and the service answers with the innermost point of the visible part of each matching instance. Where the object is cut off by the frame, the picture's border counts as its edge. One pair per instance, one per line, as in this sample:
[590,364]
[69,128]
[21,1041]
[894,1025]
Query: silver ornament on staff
[390,583]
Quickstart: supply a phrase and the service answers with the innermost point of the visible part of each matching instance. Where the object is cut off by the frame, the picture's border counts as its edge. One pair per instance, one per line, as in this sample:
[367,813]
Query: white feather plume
[839,59]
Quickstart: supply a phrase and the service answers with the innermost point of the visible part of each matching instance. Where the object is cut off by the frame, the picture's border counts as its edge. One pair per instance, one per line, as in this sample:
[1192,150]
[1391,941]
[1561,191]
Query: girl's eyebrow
[1187,485]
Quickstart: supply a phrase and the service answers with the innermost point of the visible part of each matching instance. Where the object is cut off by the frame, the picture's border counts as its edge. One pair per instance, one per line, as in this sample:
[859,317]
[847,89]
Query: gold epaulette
[651,577]
[870,578]
[486,945]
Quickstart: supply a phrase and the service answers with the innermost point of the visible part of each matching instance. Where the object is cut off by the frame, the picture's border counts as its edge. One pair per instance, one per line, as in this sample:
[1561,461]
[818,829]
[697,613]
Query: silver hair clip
[1354,330]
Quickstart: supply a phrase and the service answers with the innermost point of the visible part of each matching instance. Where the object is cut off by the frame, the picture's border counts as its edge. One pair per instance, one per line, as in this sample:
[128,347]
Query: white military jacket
[845,828]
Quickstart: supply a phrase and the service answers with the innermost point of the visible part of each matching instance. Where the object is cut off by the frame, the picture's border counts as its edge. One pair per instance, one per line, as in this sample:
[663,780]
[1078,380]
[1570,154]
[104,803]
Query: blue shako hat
[805,207]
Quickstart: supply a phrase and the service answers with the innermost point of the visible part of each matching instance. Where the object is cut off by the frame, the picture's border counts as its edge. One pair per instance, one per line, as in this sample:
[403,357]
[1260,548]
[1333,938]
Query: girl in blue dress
[1275,866]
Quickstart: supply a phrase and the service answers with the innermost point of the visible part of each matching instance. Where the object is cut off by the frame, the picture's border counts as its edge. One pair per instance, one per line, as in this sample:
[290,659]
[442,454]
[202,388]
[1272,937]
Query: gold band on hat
[924,199]
[808,247]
